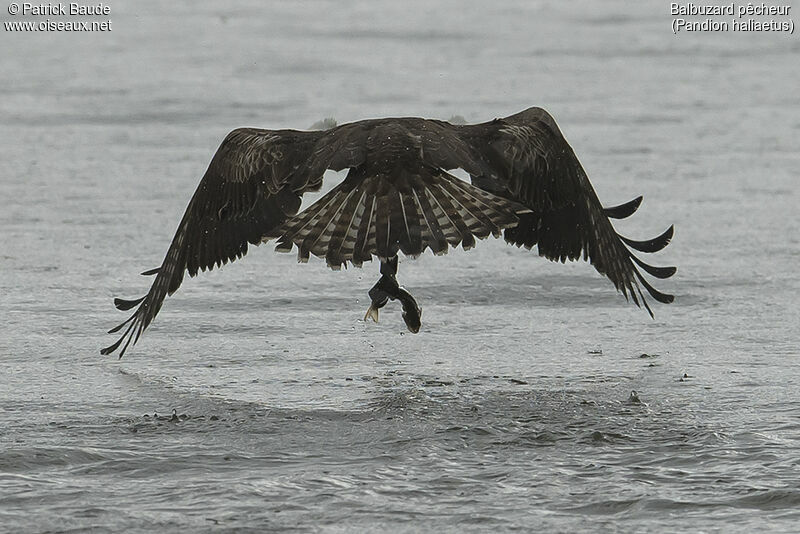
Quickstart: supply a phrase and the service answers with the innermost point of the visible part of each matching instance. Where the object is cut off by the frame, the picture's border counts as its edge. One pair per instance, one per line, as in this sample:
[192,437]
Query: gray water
[509,410]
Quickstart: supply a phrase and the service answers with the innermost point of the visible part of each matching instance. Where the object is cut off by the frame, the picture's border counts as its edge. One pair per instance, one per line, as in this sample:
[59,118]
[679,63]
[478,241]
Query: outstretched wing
[253,184]
[532,163]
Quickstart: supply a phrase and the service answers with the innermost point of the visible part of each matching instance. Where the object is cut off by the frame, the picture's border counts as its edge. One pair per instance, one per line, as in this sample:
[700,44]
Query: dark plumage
[398,197]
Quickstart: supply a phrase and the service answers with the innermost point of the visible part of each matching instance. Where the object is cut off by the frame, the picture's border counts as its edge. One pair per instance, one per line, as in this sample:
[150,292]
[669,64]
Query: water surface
[511,409]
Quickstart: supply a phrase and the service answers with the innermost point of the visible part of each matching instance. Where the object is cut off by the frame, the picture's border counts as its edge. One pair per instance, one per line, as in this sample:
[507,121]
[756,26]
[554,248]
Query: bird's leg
[387,288]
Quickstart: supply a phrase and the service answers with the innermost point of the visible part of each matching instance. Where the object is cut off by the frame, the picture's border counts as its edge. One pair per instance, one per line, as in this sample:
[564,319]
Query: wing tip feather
[125,304]
[623,211]
[651,245]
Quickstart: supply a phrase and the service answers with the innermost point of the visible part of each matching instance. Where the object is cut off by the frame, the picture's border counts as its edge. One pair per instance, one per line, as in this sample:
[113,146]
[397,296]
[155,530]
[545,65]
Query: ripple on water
[33,459]
[758,499]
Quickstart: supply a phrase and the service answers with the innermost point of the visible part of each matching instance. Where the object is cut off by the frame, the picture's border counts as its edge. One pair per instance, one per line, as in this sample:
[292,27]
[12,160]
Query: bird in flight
[398,196]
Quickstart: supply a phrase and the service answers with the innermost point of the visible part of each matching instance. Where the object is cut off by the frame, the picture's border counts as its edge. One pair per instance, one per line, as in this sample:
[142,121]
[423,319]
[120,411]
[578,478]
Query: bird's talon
[372,313]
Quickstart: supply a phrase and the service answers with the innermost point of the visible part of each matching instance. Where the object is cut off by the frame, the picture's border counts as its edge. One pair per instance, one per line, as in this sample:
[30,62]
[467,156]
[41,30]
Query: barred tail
[381,215]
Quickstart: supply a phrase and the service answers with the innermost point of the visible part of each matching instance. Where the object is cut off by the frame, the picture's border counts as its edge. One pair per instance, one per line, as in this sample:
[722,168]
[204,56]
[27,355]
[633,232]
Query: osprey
[398,196]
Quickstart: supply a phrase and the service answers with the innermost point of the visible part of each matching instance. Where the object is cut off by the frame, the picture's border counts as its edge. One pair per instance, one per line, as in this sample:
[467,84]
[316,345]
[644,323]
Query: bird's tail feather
[381,215]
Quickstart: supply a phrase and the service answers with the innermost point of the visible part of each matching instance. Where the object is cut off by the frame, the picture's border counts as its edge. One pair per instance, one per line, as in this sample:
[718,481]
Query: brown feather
[397,196]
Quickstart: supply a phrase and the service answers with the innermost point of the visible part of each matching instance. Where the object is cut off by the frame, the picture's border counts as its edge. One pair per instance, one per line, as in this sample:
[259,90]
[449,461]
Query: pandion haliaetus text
[398,196]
